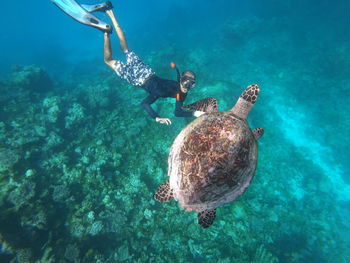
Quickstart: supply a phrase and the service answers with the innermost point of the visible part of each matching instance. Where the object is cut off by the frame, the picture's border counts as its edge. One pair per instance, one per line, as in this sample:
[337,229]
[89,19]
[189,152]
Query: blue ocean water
[81,160]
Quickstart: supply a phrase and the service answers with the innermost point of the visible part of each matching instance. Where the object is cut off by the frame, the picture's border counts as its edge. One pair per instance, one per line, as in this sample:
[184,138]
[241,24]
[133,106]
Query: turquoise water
[80,159]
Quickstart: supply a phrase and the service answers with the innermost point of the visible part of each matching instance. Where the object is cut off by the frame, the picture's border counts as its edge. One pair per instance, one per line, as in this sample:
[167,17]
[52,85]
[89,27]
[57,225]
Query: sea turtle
[213,159]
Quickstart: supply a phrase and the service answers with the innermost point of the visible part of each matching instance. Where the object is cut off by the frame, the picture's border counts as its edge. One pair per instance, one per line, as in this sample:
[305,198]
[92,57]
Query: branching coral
[8,158]
[22,194]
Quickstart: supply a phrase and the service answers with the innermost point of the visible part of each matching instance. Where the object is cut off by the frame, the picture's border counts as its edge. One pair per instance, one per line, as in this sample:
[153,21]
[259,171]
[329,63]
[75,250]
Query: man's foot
[104,7]
[98,7]
[108,30]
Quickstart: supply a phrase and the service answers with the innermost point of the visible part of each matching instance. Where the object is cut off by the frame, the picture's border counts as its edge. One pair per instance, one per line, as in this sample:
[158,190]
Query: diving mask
[188,82]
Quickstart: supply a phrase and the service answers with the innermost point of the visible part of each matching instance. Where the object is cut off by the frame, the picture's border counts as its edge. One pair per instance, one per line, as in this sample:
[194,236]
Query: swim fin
[77,12]
[98,7]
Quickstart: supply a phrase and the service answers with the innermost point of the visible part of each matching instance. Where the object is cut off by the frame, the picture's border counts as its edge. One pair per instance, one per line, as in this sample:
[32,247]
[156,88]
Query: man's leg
[118,29]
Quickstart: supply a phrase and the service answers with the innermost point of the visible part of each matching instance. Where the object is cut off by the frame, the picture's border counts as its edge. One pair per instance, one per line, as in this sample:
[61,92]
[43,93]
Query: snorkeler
[134,71]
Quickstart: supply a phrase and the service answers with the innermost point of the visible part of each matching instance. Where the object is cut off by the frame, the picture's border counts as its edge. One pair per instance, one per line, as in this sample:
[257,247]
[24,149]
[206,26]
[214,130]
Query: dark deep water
[80,159]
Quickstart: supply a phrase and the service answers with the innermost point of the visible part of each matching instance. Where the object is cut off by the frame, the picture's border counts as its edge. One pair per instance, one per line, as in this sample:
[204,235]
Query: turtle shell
[212,161]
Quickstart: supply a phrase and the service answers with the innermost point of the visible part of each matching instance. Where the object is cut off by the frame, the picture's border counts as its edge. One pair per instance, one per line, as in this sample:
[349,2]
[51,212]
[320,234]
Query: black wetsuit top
[164,88]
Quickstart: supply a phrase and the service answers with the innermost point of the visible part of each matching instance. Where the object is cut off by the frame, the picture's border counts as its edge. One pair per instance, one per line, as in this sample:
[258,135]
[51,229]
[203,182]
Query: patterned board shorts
[134,71]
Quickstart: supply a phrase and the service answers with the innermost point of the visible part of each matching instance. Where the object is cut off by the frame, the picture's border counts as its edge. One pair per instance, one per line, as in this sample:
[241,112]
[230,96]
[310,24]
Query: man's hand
[198,113]
[163,120]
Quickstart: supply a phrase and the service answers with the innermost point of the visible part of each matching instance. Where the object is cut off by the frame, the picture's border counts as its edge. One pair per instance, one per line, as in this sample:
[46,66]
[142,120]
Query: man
[137,73]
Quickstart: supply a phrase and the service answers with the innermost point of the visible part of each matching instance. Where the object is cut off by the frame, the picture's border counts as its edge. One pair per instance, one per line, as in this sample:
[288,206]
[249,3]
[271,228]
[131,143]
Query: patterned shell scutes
[216,161]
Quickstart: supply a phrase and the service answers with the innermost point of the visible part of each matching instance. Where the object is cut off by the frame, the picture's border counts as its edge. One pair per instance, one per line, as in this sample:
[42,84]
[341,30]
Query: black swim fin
[77,12]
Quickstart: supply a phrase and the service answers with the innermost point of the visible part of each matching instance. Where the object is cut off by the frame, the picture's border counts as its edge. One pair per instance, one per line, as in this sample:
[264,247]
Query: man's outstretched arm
[146,104]
[179,112]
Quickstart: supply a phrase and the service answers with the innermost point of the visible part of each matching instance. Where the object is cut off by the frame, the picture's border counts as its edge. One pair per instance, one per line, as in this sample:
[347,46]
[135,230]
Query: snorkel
[172,64]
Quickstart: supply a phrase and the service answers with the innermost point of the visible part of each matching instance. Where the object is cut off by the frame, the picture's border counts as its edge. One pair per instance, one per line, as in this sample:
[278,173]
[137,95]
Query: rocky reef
[30,77]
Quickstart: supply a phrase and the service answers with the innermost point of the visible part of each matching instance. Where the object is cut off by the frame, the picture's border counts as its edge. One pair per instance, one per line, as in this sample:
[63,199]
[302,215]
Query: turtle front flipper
[164,193]
[206,105]
[206,218]
[246,101]
[258,132]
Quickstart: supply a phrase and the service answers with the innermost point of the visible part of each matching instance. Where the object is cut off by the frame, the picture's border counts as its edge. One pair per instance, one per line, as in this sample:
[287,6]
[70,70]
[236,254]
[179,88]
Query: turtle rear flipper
[206,105]
[258,132]
[206,218]
[164,193]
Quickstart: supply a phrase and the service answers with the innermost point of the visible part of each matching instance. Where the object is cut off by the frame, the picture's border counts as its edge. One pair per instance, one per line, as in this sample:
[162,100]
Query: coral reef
[8,158]
[72,253]
[22,194]
[31,77]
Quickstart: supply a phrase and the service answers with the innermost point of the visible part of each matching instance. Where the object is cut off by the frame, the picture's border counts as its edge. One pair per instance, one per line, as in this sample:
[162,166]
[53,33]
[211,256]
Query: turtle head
[246,101]
[251,93]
